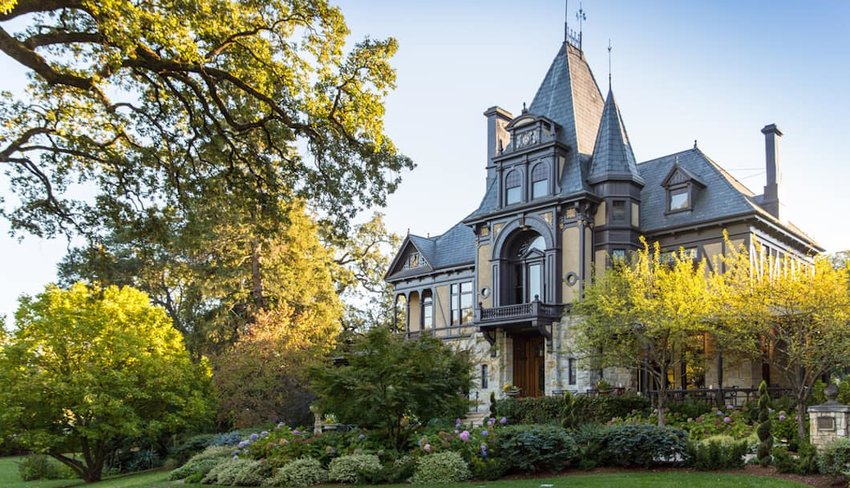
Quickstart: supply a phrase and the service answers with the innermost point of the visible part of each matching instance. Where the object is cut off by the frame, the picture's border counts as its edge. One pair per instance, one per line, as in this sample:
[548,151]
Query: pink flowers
[727,419]
[464,436]
[426,447]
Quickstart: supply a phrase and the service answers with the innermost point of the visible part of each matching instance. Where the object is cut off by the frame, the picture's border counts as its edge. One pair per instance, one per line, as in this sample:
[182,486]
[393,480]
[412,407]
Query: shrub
[253,473]
[487,469]
[718,453]
[644,445]
[764,426]
[569,410]
[226,439]
[393,471]
[590,451]
[535,447]
[354,468]
[227,471]
[443,467]
[42,467]
[834,460]
[300,472]
[200,464]
[191,446]
[691,407]
[804,462]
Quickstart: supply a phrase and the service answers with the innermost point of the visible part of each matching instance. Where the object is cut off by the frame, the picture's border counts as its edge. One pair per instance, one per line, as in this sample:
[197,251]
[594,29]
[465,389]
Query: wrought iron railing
[520,311]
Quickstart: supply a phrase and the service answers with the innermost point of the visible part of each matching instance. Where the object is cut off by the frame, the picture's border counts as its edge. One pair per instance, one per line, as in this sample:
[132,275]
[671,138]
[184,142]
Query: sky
[715,72]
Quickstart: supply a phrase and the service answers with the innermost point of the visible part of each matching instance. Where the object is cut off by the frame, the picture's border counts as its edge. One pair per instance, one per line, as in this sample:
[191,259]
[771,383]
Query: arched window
[513,188]
[540,181]
[525,272]
[427,310]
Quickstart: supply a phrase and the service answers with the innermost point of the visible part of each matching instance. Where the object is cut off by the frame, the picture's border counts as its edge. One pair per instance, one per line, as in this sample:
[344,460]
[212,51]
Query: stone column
[828,421]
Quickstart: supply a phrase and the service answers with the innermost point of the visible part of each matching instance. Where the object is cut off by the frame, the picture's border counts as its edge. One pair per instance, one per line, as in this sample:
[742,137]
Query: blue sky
[712,71]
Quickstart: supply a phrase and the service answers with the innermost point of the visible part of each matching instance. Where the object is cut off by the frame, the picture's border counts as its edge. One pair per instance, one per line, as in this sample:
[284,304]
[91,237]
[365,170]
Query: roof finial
[524,109]
[609,64]
[695,143]
[581,17]
[566,16]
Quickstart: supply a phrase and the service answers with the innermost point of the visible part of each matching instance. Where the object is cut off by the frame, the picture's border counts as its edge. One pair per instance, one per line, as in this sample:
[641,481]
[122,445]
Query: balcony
[521,316]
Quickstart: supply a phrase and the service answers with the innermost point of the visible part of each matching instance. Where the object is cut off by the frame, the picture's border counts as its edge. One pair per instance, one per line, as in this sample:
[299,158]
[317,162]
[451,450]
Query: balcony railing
[535,311]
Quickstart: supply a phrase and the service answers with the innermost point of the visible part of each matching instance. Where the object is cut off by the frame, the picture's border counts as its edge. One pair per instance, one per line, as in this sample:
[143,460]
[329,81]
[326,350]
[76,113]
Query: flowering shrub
[444,467]
[299,473]
[284,444]
[227,471]
[731,421]
[354,468]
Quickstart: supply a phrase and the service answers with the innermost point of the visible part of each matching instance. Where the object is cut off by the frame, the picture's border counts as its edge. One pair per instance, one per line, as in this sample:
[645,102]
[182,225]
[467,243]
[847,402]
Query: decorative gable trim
[680,176]
[406,249]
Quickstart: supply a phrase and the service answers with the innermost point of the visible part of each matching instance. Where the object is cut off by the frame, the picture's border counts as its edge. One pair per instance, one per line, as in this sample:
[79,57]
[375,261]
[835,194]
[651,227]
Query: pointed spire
[612,156]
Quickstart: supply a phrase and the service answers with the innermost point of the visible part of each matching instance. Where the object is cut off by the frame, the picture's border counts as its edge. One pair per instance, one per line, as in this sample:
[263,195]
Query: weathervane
[609,64]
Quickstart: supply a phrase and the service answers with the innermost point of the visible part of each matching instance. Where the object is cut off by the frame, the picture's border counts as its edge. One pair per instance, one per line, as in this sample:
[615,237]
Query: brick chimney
[770,201]
[497,136]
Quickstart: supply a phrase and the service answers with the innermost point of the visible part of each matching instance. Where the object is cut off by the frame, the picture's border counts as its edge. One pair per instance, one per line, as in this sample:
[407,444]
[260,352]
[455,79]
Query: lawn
[159,479]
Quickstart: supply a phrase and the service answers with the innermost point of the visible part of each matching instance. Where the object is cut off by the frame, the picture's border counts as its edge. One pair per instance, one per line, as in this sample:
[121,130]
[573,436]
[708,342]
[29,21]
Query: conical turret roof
[613,157]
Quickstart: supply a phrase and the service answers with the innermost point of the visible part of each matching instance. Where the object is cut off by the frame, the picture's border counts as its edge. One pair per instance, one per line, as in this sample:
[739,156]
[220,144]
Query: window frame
[536,178]
[676,190]
[513,176]
[461,315]
[427,305]
[615,217]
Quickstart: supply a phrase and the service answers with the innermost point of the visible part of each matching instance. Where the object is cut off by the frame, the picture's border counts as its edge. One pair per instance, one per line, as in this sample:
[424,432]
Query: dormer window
[680,199]
[540,181]
[682,186]
[513,188]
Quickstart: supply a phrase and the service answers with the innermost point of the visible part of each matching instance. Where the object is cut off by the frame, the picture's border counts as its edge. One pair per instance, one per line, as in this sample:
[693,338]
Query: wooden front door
[529,365]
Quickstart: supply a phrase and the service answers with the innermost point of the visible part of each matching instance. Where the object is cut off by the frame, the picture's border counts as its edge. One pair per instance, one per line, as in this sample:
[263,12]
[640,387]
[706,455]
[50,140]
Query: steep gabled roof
[455,247]
[612,155]
[570,97]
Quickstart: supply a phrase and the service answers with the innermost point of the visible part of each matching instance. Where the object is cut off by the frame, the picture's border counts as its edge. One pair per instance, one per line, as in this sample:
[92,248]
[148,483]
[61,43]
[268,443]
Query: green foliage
[189,447]
[393,471]
[589,439]
[834,460]
[41,467]
[731,421]
[299,473]
[283,445]
[804,461]
[818,396]
[570,410]
[442,467]
[200,464]
[160,109]
[717,454]
[644,445]
[535,447]
[389,381]
[87,367]
[488,469]
[354,468]
[691,407]
[234,471]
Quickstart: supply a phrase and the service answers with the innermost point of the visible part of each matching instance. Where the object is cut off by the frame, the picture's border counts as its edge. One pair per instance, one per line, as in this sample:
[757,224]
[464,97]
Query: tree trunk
[256,276]
[801,417]
[662,396]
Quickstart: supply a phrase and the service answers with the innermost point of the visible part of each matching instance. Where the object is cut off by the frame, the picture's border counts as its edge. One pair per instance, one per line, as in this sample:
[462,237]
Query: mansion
[564,196]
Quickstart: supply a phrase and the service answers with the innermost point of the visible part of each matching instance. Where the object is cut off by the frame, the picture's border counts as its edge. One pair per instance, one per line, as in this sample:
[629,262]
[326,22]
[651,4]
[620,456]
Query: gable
[409,261]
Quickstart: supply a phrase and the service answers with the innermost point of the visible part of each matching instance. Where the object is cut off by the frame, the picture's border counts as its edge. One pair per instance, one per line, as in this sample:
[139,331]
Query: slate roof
[455,247]
[612,154]
[723,196]
[570,97]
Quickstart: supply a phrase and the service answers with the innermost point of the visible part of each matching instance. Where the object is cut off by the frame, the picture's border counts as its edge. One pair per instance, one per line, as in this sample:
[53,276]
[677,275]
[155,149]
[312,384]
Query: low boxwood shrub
[442,467]
[194,470]
[569,410]
[42,467]
[299,473]
[718,453]
[354,468]
[644,445]
[535,447]
[834,460]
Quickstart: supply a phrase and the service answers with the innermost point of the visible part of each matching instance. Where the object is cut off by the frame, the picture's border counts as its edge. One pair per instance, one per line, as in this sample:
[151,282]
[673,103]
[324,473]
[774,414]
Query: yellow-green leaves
[87,366]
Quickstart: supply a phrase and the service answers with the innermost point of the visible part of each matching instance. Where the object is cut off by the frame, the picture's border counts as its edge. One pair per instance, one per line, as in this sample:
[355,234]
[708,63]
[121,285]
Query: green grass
[159,479]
